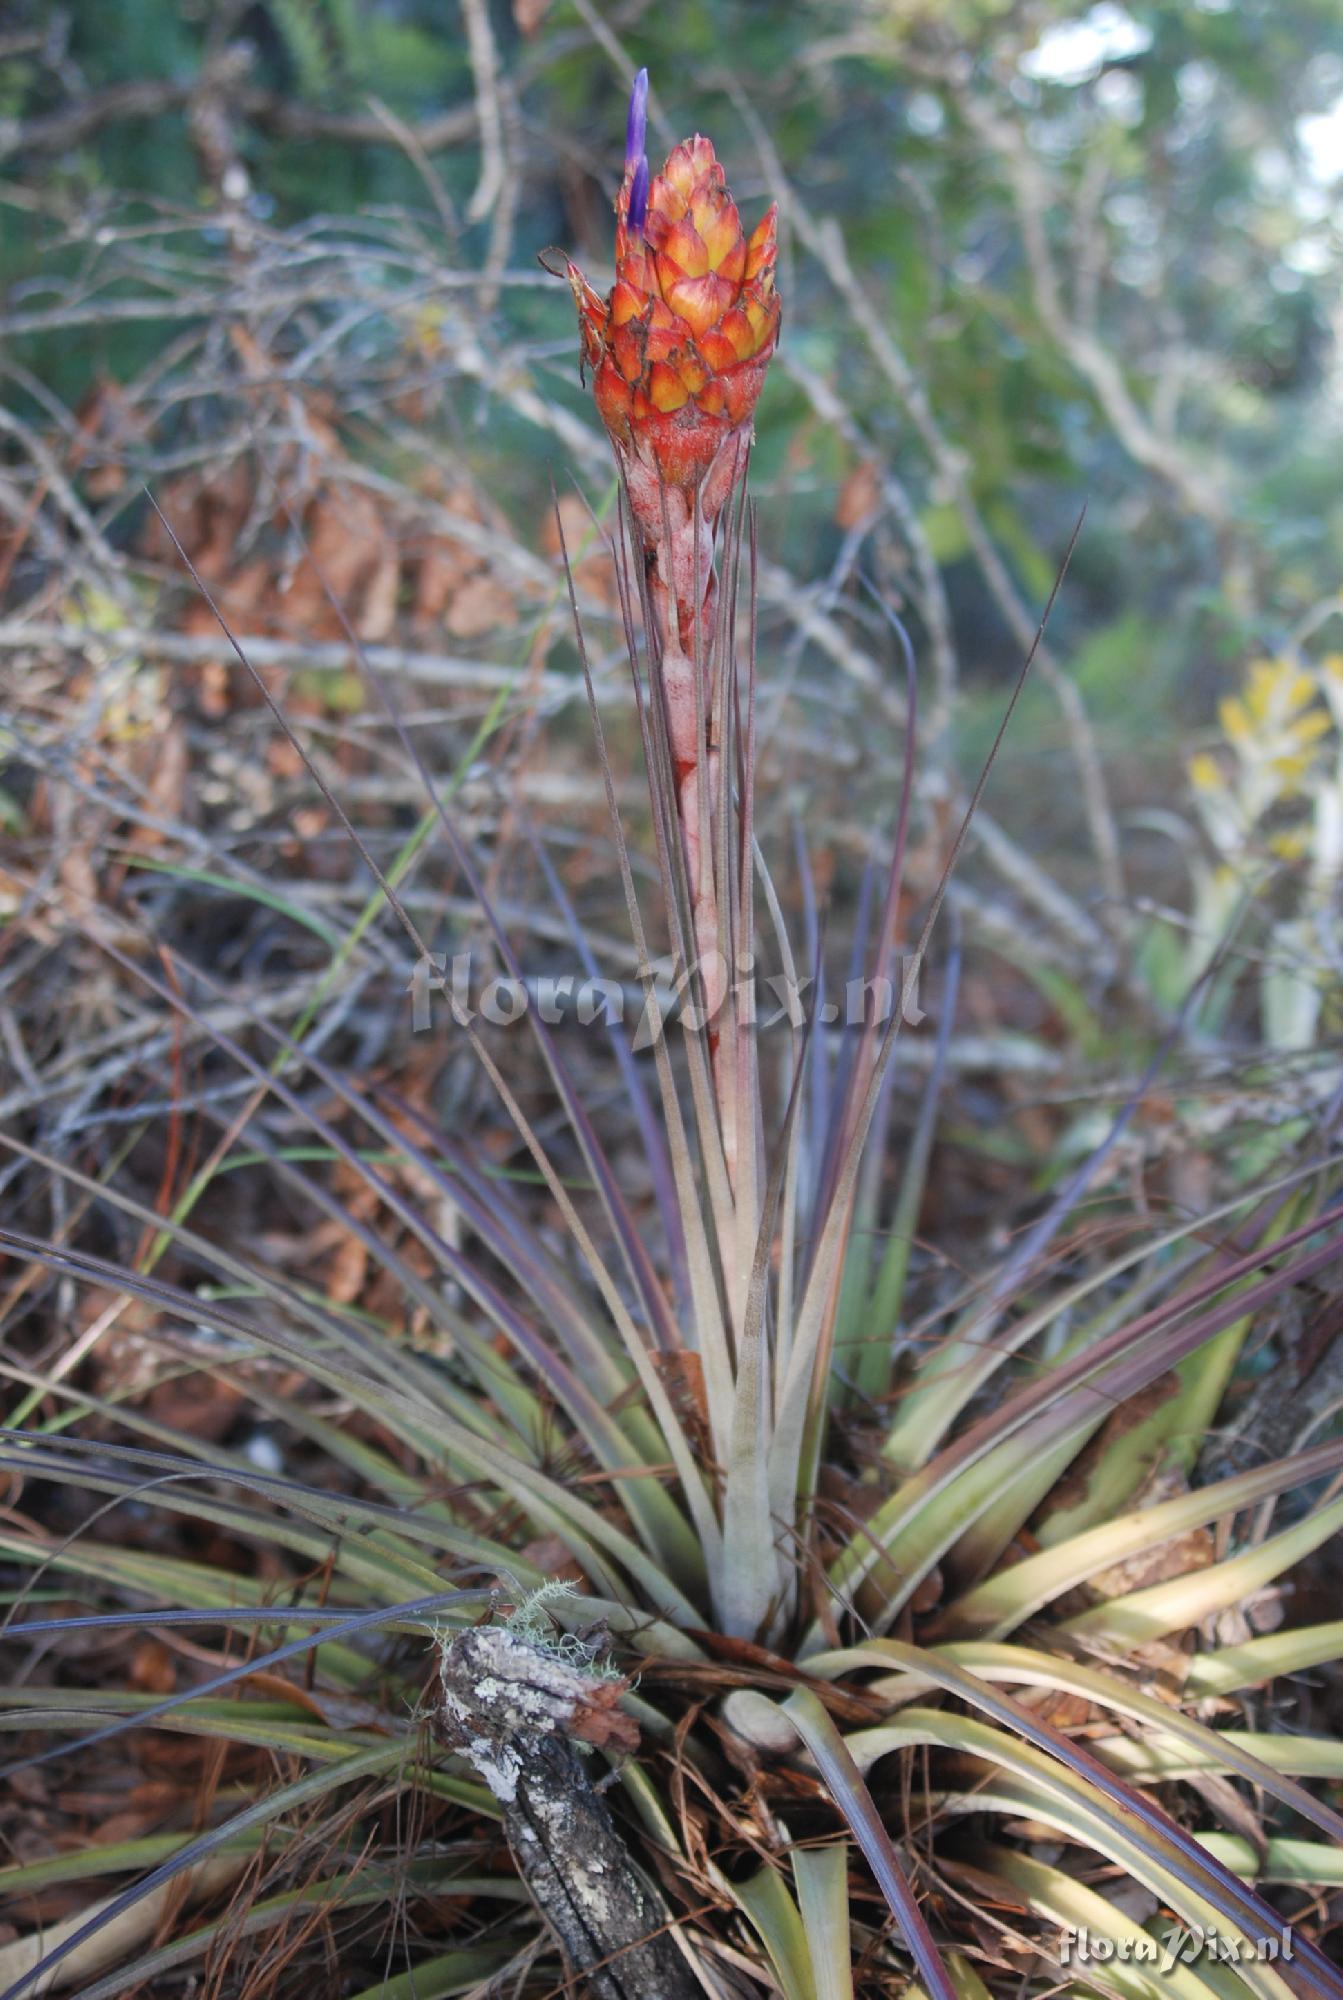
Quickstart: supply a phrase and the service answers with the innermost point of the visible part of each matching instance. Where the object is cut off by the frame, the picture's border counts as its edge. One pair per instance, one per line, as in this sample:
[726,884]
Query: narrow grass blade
[285,1799]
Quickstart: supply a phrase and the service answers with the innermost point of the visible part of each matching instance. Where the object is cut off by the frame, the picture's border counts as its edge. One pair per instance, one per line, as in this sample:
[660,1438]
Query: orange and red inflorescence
[679,350]
[678,354]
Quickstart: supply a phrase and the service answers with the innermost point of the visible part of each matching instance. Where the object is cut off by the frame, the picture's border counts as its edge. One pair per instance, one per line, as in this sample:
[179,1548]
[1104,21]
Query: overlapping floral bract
[679,349]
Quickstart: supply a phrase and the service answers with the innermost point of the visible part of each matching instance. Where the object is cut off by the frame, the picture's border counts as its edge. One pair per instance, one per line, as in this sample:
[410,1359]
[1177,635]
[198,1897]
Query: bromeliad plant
[678,354]
[1269,801]
[956,1593]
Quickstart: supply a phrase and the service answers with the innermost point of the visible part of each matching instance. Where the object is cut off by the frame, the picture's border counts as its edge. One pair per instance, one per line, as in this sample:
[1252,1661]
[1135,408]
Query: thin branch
[485,74]
[61,131]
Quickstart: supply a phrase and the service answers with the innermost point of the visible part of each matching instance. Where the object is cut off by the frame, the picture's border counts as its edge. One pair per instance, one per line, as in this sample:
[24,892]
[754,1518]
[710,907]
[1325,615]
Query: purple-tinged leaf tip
[636,125]
[638,205]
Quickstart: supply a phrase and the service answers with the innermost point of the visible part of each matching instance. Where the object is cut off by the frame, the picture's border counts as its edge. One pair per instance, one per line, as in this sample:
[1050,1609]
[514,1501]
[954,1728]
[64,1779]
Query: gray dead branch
[515,1710]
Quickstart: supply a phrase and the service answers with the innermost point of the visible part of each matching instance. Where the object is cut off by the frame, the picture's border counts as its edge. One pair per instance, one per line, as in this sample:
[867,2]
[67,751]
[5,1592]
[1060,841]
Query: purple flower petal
[638,207]
[636,125]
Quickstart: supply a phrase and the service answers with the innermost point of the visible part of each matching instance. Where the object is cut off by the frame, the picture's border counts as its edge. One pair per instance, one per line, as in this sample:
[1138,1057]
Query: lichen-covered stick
[515,1707]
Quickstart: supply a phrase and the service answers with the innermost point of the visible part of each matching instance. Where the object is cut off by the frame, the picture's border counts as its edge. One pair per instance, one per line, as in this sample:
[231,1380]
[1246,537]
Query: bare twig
[108,559]
[60,131]
[430,669]
[485,73]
